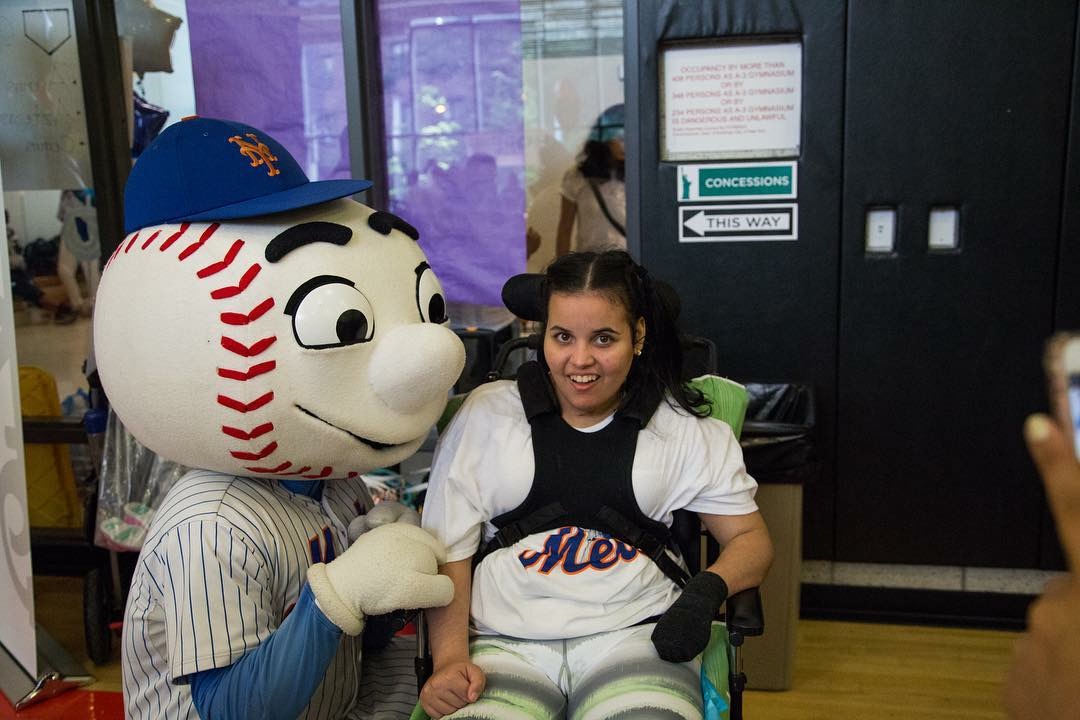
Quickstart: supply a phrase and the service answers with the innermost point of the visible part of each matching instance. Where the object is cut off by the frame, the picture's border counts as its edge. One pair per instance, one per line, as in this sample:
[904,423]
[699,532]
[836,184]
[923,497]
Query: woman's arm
[567,213]
[746,549]
[684,629]
[456,681]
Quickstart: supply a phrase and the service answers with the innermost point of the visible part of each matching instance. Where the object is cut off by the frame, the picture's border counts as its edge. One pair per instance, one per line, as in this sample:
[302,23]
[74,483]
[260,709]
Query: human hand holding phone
[1042,681]
[1062,363]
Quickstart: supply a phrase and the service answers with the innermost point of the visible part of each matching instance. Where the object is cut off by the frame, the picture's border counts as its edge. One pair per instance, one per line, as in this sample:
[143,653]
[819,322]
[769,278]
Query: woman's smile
[589,348]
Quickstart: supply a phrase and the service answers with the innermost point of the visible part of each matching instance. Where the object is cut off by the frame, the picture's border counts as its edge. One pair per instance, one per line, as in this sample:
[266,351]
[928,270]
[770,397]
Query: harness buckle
[650,545]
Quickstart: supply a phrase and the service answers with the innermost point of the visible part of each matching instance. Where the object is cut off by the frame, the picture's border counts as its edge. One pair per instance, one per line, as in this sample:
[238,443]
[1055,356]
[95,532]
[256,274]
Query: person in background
[22,285]
[1043,680]
[80,248]
[594,191]
[545,199]
[15,258]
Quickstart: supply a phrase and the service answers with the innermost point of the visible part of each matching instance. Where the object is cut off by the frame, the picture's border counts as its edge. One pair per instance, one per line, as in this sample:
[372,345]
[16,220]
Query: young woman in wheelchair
[554,495]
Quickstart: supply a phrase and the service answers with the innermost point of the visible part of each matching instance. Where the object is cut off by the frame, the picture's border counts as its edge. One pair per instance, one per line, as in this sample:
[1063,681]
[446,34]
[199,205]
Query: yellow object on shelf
[50,483]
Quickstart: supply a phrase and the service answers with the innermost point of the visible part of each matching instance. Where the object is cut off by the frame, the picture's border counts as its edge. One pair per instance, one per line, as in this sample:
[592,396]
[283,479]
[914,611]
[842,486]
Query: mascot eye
[430,300]
[330,312]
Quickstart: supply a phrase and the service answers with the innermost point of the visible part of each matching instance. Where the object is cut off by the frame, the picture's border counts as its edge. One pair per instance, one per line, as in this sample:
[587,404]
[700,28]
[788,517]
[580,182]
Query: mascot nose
[415,365]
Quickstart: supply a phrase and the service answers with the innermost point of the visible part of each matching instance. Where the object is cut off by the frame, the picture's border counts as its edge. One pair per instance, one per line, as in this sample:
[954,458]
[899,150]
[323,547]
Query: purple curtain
[455,137]
[453,108]
[278,66]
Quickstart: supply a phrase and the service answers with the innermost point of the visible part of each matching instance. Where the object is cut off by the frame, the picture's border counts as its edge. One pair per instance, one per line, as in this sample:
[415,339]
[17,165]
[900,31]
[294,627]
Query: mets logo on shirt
[573,550]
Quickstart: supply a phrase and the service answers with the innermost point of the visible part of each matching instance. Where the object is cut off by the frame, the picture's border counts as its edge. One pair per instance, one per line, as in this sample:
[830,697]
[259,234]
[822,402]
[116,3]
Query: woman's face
[589,347]
[618,149]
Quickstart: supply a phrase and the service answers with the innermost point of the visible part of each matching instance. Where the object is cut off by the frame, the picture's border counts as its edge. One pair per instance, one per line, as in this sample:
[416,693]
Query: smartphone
[1063,373]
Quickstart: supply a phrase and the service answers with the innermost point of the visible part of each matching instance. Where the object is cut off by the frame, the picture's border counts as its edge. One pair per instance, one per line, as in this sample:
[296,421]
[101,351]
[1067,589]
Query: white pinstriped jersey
[223,564]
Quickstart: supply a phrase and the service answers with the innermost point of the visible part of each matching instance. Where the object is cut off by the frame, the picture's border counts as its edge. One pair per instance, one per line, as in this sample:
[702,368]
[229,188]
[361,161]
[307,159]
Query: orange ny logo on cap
[256,152]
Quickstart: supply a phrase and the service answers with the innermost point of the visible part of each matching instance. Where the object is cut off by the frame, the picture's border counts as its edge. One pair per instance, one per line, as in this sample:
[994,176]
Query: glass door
[488,104]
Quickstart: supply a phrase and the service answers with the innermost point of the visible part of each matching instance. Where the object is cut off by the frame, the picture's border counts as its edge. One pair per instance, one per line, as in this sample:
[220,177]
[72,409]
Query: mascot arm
[392,567]
[278,678]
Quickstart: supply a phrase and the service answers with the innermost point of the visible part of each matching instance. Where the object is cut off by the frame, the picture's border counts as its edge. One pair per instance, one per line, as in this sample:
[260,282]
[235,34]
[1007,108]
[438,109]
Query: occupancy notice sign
[732,100]
[733,223]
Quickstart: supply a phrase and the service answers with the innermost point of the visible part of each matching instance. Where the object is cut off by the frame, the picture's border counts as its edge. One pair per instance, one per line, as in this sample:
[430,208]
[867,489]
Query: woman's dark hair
[596,159]
[614,274]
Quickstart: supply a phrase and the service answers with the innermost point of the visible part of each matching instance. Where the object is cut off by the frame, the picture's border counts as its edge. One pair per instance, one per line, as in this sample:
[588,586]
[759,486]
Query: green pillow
[727,397]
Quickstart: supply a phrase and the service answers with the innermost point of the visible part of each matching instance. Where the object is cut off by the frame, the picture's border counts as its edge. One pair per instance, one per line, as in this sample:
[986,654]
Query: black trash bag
[41,256]
[777,436]
[379,630]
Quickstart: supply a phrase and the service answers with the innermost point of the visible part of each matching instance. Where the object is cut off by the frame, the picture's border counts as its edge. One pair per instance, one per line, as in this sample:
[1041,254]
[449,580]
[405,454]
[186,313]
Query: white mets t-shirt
[570,582]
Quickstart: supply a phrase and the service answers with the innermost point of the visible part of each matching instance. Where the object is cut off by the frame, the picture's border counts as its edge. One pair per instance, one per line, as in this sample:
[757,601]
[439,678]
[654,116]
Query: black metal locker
[962,105]
[924,360]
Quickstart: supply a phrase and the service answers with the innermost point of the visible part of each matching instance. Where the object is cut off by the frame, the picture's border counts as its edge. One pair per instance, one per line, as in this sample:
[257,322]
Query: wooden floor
[857,671]
[58,609]
[843,671]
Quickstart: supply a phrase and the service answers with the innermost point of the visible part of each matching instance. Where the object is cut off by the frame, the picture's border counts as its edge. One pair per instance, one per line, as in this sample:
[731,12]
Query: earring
[637,351]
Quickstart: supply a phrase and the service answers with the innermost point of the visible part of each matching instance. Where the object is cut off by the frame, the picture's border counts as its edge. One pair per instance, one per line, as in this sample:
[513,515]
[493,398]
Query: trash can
[778,448]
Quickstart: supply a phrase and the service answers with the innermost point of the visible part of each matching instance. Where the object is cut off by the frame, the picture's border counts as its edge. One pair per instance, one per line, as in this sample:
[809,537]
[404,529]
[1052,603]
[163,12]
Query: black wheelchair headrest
[523,295]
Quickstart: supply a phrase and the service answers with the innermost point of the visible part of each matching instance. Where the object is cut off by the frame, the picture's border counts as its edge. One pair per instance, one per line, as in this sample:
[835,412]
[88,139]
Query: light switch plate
[944,233]
[880,230]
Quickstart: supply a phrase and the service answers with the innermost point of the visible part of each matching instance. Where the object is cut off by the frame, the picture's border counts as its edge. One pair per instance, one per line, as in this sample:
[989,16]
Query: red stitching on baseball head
[245,375]
[114,254]
[198,243]
[245,407]
[233,290]
[241,455]
[232,318]
[280,468]
[235,346]
[174,237]
[223,263]
[255,432]
[150,239]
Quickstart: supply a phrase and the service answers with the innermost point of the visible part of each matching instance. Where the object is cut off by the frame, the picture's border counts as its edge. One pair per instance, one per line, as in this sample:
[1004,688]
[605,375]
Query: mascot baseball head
[256,323]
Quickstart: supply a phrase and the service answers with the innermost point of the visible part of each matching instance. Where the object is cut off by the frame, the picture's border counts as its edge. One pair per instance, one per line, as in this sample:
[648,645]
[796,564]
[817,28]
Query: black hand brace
[684,630]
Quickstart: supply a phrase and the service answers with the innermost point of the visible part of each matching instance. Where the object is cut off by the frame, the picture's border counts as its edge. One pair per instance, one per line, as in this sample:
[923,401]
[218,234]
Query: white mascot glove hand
[391,567]
[383,514]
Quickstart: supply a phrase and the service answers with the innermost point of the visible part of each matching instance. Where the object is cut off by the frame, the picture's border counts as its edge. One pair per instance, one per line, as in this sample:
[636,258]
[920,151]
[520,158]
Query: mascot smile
[283,339]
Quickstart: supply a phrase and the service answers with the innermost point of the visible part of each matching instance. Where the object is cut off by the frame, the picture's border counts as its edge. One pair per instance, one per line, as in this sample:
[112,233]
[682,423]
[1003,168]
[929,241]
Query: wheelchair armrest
[745,616]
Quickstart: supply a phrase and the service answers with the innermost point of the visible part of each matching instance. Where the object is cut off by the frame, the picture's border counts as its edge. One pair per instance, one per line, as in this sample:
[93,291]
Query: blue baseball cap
[609,126]
[207,169]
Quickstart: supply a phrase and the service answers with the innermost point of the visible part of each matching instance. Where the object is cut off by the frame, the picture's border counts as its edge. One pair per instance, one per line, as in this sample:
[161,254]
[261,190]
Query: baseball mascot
[284,339]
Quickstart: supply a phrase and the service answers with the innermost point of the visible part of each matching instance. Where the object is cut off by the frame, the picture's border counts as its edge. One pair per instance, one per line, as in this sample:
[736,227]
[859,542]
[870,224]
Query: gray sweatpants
[612,675]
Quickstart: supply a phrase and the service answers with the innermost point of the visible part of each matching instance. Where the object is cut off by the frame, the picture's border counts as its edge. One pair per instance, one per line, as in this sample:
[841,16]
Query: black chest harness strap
[583,479]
